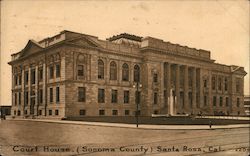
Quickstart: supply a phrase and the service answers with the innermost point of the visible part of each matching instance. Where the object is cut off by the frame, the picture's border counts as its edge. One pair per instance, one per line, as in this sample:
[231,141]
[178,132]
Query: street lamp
[137,85]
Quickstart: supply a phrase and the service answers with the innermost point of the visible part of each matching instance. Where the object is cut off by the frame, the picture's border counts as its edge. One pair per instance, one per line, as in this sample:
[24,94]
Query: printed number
[242,149]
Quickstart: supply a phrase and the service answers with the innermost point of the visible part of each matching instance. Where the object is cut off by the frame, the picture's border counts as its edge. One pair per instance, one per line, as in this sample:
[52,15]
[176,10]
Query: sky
[221,27]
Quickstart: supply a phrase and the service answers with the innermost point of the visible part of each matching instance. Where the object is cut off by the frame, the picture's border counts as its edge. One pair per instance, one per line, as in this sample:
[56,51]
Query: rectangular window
[165,95]
[205,100]
[226,84]
[227,101]
[82,112]
[56,112]
[126,96]
[50,112]
[57,94]
[40,112]
[40,74]
[221,101]
[101,112]
[15,95]
[114,96]
[19,98]
[26,77]
[40,96]
[81,94]
[16,79]
[155,77]
[205,84]
[238,102]
[237,85]
[51,95]
[219,83]
[80,70]
[137,97]
[20,79]
[155,111]
[138,112]
[51,72]
[26,97]
[190,99]
[33,76]
[114,112]
[213,82]
[58,70]
[101,95]
[155,98]
[127,112]
[214,101]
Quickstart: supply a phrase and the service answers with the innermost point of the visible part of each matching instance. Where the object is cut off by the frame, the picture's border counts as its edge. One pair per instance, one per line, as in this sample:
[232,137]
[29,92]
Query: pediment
[30,48]
[238,70]
[84,41]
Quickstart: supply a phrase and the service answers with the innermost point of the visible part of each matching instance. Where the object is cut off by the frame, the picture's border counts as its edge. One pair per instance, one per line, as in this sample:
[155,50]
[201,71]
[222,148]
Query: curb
[145,127]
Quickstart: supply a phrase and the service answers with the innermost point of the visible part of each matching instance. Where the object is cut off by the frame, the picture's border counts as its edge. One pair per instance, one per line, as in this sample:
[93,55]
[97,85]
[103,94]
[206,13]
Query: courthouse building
[73,74]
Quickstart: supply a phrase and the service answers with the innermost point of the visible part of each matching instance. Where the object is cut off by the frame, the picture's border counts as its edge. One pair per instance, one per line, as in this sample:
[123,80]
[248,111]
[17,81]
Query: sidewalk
[143,126]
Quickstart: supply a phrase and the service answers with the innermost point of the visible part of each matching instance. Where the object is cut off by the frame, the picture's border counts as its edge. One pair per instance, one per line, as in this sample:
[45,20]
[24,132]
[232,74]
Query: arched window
[125,72]
[113,71]
[100,69]
[136,73]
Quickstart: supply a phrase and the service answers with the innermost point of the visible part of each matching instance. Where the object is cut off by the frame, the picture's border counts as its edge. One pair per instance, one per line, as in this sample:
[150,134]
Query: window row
[114,96]
[102,112]
[40,112]
[113,70]
[221,101]
[51,97]
[18,78]
[217,83]
[101,95]
[17,96]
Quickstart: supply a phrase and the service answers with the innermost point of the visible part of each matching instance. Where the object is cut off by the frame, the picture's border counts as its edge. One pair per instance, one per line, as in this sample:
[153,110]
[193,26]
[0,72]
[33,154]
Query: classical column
[209,98]
[36,90]
[29,90]
[186,90]
[201,95]
[194,90]
[177,89]
[161,93]
[22,91]
[168,87]
[45,89]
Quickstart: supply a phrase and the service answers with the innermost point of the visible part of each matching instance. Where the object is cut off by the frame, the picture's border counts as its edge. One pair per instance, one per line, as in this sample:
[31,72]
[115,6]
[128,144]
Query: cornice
[164,52]
[107,51]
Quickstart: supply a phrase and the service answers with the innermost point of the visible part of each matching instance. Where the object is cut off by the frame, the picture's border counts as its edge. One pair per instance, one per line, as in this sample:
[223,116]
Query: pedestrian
[210,124]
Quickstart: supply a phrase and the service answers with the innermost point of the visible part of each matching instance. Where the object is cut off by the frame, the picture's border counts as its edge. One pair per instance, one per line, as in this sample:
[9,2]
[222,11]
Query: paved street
[41,138]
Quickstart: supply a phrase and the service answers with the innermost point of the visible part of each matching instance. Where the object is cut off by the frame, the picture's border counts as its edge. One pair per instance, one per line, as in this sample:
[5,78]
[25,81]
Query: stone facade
[73,74]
